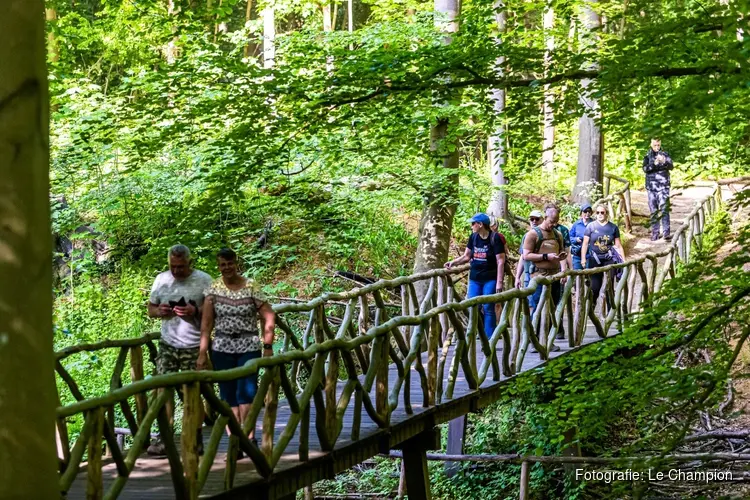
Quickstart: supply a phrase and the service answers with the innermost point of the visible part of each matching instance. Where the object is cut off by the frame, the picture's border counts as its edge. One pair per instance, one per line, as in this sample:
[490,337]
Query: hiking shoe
[667,237]
[157,448]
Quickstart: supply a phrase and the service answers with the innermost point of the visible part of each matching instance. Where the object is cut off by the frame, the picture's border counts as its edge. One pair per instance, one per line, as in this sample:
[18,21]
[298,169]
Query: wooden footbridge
[358,375]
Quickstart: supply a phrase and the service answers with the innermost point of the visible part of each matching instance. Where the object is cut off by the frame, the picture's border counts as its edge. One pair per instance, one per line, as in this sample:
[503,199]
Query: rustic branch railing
[619,202]
[360,350]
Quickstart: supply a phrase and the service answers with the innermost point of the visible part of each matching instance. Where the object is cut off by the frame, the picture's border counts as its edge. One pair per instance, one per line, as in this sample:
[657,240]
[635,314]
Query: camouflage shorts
[171,359]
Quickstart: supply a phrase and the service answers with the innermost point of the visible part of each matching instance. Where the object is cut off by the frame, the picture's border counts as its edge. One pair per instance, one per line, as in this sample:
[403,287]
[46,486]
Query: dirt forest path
[683,201]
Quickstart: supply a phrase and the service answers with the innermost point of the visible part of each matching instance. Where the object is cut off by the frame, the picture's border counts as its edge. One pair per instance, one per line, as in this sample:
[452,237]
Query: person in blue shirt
[486,252]
[576,235]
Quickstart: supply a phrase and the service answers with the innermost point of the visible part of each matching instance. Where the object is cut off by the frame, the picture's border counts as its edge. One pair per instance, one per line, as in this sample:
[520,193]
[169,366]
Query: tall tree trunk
[350,15]
[250,47]
[171,52]
[53,50]
[269,37]
[548,140]
[327,20]
[27,384]
[590,170]
[440,203]
[496,157]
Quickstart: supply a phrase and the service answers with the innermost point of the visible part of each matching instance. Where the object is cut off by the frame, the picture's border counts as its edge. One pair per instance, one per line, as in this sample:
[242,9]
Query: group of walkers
[548,248]
[191,306]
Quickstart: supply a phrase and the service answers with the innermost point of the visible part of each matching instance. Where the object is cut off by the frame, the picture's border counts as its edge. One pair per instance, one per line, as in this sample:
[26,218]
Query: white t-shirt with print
[182,333]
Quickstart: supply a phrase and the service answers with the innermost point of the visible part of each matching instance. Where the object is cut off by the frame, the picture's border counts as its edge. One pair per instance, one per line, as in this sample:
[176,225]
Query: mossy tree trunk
[440,202]
[27,384]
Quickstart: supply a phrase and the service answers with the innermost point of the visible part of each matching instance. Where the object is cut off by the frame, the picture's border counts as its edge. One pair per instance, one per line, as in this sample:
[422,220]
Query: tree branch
[509,83]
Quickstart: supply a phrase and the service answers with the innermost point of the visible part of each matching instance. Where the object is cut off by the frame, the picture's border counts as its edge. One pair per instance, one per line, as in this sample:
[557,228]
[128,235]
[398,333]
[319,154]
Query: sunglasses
[587,211]
[534,219]
[600,212]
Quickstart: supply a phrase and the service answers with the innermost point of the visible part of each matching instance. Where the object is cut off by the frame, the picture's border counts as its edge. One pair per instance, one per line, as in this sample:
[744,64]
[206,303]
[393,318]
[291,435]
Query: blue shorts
[241,391]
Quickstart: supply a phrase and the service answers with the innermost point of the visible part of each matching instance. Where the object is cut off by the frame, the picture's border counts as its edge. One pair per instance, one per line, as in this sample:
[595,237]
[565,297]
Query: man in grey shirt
[177,298]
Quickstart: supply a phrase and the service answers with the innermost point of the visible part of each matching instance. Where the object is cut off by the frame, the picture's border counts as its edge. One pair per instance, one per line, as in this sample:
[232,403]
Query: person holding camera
[177,298]
[656,165]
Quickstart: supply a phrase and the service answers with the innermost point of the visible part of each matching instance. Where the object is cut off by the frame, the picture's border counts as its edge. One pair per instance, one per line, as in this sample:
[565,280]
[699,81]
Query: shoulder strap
[539,239]
[559,238]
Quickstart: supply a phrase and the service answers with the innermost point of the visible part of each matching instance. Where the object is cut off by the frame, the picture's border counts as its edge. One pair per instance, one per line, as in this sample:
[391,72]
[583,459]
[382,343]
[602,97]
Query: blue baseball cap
[585,207]
[482,218]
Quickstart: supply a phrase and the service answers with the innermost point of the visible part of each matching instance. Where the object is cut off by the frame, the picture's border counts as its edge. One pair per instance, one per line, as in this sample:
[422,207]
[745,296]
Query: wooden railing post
[381,379]
[94,483]
[524,486]
[192,413]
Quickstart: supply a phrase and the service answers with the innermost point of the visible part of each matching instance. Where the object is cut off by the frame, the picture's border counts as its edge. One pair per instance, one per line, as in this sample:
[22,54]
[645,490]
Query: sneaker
[157,448]
[667,237]
[555,348]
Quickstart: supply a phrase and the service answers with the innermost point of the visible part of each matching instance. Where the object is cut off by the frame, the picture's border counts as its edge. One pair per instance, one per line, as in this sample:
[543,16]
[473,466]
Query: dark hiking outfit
[602,252]
[657,186]
[577,232]
[483,273]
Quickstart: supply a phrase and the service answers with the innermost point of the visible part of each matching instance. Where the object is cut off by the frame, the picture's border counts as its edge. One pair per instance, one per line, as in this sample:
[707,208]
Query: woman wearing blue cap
[576,235]
[486,252]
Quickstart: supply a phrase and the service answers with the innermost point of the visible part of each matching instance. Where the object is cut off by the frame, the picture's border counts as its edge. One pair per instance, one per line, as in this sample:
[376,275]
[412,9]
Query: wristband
[267,346]
[544,256]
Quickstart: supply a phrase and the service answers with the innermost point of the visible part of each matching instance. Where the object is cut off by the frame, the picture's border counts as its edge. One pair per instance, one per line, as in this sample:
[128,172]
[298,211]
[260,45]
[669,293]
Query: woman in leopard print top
[233,305]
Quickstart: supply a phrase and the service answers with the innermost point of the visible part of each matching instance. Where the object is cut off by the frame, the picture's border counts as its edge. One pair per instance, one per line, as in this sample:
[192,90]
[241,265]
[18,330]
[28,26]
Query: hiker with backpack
[601,247]
[523,267]
[486,252]
[544,249]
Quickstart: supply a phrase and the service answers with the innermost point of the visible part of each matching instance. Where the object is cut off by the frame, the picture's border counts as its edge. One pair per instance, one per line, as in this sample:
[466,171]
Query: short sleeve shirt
[565,234]
[235,316]
[602,237]
[483,253]
[182,333]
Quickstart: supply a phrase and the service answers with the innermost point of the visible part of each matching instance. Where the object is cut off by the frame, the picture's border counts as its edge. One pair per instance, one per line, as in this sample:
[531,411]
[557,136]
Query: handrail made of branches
[621,198]
[344,367]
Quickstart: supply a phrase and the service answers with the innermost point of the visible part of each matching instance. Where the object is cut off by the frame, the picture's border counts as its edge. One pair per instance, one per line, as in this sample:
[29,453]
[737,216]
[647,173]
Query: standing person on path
[177,298]
[523,267]
[576,236]
[544,248]
[601,247]
[657,165]
[486,252]
[234,304]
